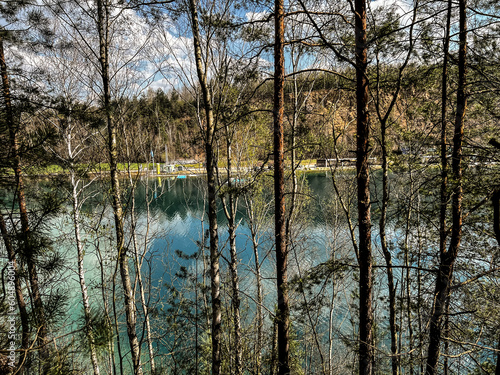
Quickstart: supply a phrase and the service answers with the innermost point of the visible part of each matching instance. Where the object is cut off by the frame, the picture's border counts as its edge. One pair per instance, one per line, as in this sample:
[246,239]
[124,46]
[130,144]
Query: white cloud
[256,16]
[400,6]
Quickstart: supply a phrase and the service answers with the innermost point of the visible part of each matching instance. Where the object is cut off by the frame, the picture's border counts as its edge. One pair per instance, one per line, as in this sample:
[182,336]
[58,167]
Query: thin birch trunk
[230,213]
[144,305]
[139,261]
[496,227]
[253,226]
[129,300]
[274,349]
[260,316]
[104,296]
[81,275]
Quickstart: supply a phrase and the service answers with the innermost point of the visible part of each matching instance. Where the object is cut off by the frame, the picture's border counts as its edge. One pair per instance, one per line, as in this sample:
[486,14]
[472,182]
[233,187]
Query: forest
[250,188]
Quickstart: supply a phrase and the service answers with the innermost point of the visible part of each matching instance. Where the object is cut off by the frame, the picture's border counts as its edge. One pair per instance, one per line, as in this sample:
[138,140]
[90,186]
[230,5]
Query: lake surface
[178,221]
[170,223]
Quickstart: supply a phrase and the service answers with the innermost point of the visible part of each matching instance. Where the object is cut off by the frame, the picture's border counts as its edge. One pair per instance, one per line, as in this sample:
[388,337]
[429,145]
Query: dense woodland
[401,98]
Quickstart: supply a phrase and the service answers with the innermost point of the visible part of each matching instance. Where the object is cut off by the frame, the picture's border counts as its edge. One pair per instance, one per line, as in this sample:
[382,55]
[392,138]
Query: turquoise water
[171,221]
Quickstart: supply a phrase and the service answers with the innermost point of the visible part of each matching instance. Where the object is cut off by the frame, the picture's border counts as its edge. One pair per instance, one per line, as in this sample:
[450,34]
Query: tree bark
[444,165]
[211,165]
[443,140]
[129,300]
[81,275]
[448,257]
[283,311]
[388,256]
[139,259]
[274,348]
[230,212]
[104,296]
[384,123]
[23,313]
[260,316]
[496,227]
[366,356]
[253,226]
[29,252]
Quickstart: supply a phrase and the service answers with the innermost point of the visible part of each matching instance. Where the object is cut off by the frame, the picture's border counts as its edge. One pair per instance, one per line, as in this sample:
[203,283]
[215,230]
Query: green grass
[104,167]
[48,169]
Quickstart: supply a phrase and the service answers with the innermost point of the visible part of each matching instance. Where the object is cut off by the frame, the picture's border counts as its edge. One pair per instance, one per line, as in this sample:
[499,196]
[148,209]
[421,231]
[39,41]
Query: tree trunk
[496,227]
[253,226]
[104,296]
[443,140]
[384,123]
[29,252]
[407,284]
[139,262]
[274,348]
[260,317]
[211,165]
[444,166]
[129,300]
[387,255]
[363,179]
[230,212]
[25,335]
[447,258]
[81,275]
[235,296]
[283,311]
[139,259]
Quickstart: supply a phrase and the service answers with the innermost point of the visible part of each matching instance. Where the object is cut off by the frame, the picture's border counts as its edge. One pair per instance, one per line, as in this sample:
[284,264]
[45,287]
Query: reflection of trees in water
[323,290]
[172,197]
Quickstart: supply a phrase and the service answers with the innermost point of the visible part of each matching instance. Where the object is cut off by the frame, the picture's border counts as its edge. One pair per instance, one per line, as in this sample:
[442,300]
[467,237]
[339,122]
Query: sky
[142,58]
